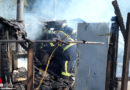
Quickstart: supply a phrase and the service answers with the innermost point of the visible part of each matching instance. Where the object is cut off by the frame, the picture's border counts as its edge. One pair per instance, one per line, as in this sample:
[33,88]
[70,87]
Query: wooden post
[119,17]
[126,56]
[30,67]
[14,60]
[112,56]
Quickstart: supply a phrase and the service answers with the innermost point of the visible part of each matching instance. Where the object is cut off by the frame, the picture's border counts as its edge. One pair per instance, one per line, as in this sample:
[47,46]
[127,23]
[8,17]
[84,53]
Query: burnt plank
[119,17]
[126,57]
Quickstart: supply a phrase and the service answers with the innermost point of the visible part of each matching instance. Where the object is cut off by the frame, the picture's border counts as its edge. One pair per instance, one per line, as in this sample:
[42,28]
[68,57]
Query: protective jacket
[64,58]
[69,54]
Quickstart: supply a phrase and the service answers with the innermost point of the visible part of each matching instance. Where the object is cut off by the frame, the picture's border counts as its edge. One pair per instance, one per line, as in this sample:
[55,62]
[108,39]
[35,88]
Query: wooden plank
[126,56]
[14,60]
[30,67]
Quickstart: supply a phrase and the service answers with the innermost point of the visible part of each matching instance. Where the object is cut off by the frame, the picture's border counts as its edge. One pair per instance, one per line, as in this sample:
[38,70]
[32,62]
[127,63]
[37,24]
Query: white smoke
[32,26]
[8,9]
[88,10]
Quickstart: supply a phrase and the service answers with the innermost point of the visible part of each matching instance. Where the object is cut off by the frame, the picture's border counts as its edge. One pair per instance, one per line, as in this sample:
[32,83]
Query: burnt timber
[126,56]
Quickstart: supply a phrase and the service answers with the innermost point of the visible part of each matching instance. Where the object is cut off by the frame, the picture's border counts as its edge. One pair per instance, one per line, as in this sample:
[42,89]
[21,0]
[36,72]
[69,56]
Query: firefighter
[67,59]
[64,59]
[63,62]
[66,33]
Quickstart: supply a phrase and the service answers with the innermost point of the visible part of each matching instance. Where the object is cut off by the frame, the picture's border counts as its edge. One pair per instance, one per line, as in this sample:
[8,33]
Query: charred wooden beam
[119,17]
[14,60]
[115,36]
[126,57]
[112,56]
[30,67]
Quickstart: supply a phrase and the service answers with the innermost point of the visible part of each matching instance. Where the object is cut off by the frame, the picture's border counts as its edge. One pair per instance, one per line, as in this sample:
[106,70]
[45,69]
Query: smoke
[51,9]
[87,10]
[32,26]
[8,9]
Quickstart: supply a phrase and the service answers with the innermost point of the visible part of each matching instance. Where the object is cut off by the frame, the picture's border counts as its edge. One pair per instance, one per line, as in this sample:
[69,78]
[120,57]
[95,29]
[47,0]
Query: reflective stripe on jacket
[68,46]
[66,70]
